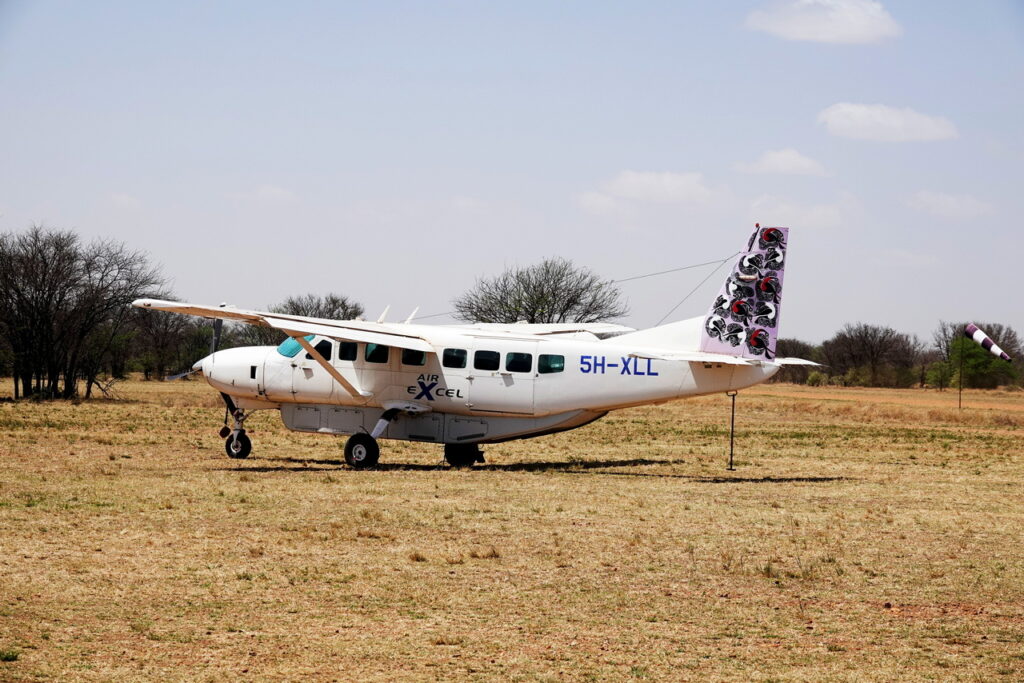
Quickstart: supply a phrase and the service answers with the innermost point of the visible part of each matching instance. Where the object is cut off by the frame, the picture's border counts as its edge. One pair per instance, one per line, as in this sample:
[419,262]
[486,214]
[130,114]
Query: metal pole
[960,395]
[732,428]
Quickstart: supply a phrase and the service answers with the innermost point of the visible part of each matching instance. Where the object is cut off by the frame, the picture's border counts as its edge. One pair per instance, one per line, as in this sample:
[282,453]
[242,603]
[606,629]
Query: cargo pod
[501,376]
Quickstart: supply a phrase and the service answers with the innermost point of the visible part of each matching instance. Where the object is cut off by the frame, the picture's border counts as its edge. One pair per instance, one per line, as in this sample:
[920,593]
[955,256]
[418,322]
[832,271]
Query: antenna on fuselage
[412,315]
[384,314]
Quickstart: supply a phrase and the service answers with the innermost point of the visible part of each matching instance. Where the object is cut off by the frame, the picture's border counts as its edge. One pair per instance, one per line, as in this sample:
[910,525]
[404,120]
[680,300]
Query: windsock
[986,342]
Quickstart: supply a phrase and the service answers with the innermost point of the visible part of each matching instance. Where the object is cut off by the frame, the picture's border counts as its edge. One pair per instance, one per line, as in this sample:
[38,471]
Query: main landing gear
[236,444]
[362,450]
[462,454]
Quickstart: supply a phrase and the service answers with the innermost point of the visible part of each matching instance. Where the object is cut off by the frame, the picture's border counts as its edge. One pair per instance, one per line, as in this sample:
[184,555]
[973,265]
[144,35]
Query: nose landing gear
[237,444]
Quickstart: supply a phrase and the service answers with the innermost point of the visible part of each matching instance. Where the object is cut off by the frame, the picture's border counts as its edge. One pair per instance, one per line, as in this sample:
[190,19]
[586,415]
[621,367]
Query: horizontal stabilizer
[700,357]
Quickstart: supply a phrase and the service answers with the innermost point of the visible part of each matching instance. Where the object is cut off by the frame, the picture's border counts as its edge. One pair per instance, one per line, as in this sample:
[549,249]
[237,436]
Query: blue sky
[394,152]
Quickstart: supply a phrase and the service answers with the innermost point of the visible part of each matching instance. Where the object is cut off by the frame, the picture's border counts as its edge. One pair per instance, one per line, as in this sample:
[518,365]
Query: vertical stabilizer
[744,320]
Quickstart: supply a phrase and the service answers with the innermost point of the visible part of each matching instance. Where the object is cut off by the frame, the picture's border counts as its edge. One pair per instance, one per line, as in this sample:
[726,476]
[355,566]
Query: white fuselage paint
[467,404]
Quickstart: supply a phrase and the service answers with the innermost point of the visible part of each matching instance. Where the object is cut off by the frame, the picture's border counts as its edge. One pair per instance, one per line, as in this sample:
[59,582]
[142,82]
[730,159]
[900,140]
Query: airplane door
[277,377]
[501,376]
[311,383]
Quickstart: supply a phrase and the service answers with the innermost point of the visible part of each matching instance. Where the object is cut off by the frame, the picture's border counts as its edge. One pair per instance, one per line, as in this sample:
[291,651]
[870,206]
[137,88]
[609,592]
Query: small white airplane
[467,385]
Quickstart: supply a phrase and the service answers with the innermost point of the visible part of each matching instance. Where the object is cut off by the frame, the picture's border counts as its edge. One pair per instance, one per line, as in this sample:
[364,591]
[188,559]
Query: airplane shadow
[587,467]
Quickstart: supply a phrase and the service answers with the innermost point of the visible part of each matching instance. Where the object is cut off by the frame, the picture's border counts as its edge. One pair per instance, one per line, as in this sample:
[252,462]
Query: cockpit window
[290,348]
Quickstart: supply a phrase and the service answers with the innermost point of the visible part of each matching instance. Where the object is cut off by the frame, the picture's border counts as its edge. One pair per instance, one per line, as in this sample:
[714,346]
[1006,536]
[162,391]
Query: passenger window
[347,350]
[410,357]
[376,353]
[548,363]
[323,347]
[486,360]
[454,358]
[519,362]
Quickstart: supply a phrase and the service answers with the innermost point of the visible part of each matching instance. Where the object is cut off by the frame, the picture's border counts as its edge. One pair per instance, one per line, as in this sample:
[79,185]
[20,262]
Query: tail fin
[744,319]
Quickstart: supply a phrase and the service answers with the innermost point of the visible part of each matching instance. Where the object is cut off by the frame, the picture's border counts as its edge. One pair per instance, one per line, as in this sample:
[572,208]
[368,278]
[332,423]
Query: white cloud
[826,21]
[465,204]
[883,123]
[783,161]
[271,194]
[771,210]
[950,206]
[656,187]
[123,200]
[645,187]
[598,203]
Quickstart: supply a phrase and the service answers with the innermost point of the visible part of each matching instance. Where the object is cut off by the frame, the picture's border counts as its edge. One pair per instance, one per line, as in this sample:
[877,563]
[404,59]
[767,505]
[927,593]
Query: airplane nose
[203,364]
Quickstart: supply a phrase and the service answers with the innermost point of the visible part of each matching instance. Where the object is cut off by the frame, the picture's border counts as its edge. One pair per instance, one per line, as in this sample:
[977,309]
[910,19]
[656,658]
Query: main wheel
[361,451]
[462,454]
[238,446]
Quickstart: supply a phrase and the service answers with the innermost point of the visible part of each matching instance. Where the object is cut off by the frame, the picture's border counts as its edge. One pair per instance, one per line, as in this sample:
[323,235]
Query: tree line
[67,327]
[861,354]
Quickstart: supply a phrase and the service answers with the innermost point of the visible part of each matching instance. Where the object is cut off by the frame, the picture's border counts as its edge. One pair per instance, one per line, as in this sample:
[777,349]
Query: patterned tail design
[986,342]
[744,319]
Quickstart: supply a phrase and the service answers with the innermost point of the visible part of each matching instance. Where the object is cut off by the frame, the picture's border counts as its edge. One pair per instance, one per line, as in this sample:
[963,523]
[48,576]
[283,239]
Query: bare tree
[865,350]
[552,291]
[63,306]
[159,339]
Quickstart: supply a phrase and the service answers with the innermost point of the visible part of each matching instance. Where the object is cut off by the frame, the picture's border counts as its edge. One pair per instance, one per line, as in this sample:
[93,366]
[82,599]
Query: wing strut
[331,370]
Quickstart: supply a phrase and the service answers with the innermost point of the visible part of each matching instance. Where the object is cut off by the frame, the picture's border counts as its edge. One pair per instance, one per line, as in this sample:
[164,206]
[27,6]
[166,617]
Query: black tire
[238,447]
[362,451]
[462,454]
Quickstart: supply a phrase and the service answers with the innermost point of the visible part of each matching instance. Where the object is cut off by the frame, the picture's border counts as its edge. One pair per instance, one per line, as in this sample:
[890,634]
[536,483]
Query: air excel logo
[428,387]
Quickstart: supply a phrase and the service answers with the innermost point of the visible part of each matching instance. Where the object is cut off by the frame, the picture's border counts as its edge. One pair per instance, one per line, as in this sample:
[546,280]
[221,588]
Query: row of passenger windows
[514,362]
[547,363]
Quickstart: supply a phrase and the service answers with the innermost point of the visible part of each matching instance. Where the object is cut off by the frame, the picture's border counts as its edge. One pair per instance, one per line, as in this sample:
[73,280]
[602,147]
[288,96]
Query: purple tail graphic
[744,320]
[986,342]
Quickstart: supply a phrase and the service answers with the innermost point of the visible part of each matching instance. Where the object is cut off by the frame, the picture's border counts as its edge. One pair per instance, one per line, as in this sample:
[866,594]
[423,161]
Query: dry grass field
[865,535]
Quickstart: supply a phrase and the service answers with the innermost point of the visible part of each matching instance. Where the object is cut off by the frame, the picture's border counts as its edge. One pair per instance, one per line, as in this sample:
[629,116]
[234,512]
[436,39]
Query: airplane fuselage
[473,389]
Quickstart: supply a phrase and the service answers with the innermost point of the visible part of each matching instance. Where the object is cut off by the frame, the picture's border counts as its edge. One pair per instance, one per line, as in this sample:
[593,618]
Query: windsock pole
[960,394]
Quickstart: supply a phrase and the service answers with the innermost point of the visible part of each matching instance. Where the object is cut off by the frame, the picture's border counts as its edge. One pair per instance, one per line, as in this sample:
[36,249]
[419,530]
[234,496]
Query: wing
[599,330]
[297,325]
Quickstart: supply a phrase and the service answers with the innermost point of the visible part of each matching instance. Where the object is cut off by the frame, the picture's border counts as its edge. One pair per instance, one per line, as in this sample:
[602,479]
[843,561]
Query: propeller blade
[171,378]
[218,324]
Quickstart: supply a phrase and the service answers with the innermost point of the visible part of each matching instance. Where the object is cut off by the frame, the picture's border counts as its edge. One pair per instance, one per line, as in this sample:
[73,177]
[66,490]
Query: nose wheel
[236,444]
[361,451]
